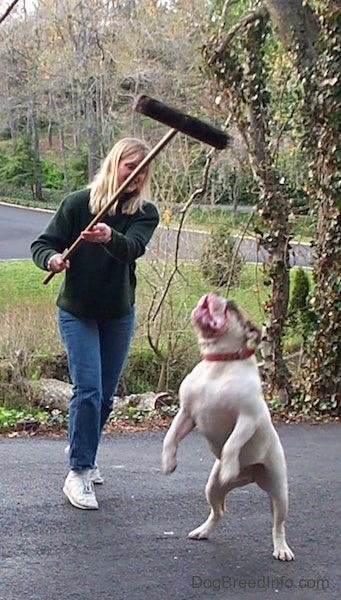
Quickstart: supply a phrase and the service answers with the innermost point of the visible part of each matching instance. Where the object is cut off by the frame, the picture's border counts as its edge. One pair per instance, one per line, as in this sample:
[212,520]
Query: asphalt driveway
[135,547]
[20,226]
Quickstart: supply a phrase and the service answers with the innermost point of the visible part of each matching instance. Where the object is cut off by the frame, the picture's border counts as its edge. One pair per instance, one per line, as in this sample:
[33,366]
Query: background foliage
[267,70]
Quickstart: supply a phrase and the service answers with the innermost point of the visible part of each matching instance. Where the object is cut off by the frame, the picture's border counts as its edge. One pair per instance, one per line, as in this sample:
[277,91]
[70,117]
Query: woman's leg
[115,338]
[81,341]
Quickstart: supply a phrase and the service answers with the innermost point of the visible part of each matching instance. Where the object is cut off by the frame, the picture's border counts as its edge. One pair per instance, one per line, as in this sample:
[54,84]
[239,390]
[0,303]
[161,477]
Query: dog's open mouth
[210,315]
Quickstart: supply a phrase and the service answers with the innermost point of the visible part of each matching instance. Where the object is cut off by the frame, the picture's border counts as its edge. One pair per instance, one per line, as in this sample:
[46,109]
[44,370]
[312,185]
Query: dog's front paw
[168,463]
[283,552]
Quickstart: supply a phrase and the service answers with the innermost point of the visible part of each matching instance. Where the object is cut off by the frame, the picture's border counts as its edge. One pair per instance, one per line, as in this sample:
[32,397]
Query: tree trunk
[244,83]
[91,128]
[274,210]
[319,69]
[62,144]
[297,28]
[323,386]
[76,114]
[37,185]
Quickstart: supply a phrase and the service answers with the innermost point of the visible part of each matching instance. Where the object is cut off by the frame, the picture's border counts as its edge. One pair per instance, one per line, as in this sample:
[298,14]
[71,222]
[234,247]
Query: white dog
[223,397]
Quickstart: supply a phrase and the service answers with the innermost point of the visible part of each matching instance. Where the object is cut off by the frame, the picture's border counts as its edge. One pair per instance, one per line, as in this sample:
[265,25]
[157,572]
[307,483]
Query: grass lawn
[29,330]
[204,219]
[27,306]
[28,315]
[21,284]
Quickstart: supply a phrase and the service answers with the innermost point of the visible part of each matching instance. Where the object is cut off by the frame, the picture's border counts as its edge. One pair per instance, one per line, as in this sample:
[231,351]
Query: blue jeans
[96,352]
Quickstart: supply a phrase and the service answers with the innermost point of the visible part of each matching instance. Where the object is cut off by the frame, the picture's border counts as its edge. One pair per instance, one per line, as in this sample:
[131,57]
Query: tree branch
[9,10]
[227,4]
[259,13]
[197,192]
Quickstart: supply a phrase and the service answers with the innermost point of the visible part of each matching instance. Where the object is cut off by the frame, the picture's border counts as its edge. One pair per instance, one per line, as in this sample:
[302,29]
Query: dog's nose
[217,322]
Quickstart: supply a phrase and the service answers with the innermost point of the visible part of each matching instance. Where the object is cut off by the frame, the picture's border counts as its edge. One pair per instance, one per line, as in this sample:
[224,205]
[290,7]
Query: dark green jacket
[100,282]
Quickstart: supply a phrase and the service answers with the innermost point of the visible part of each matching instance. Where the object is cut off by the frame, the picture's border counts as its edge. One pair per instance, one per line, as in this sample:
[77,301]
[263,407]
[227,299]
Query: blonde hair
[105,184]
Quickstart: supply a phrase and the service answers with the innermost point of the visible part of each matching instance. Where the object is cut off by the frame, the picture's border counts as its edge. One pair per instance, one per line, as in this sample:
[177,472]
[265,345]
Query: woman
[96,300]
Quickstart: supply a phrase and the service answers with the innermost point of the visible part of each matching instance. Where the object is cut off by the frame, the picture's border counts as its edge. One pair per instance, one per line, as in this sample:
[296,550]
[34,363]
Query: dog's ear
[252,333]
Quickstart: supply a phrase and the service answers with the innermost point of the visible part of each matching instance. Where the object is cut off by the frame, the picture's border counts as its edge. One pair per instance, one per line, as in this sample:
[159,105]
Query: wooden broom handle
[162,143]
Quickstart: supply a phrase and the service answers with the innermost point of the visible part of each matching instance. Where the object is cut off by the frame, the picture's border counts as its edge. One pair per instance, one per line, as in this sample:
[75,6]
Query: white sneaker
[79,490]
[95,474]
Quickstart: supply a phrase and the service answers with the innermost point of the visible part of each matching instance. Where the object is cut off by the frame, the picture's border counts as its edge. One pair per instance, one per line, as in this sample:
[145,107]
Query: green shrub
[221,264]
[5,134]
[300,317]
[78,170]
[300,291]
[17,163]
[52,175]
[144,369]
[9,417]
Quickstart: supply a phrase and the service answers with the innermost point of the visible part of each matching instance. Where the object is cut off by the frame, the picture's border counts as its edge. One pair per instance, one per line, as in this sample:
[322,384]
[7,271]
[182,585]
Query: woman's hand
[57,263]
[100,234]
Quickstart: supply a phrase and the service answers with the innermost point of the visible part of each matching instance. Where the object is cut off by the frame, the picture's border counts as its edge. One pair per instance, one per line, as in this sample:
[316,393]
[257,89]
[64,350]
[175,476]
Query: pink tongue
[212,312]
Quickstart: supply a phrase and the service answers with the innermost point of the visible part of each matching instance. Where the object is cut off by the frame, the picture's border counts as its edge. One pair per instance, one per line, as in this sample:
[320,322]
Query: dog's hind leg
[215,495]
[274,481]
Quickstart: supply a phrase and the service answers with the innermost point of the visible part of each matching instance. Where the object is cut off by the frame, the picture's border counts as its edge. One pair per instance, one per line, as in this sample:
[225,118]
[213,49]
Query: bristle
[204,132]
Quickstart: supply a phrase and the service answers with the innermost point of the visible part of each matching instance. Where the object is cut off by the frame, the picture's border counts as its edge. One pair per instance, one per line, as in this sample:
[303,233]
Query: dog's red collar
[240,355]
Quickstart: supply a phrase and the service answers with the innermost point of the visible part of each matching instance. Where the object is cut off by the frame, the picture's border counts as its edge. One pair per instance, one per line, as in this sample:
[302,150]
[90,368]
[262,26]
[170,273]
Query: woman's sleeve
[129,246]
[54,238]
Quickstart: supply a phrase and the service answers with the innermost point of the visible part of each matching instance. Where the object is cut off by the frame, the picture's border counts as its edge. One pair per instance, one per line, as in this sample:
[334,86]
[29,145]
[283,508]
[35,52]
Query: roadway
[19,226]
[135,546]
